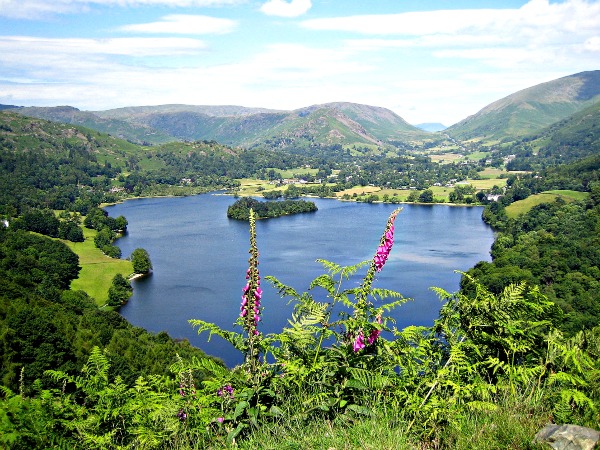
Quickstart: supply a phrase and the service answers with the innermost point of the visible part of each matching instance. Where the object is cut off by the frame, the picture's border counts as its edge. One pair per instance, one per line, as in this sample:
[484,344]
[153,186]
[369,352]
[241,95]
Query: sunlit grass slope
[522,206]
[97,269]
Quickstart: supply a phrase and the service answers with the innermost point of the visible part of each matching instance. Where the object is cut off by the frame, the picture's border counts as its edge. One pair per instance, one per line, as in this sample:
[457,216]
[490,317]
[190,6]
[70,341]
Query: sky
[426,60]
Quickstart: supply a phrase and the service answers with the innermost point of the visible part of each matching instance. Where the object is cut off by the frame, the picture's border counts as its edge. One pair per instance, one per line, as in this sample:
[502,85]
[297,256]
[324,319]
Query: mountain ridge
[333,123]
[523,113]
[530,110]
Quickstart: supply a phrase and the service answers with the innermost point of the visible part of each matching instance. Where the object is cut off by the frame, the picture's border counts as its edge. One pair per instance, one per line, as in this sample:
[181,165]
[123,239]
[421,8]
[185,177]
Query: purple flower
[359,342]
[220,419]
[385,246]
[252,292]
[182,415]
[225,391]
[373,336]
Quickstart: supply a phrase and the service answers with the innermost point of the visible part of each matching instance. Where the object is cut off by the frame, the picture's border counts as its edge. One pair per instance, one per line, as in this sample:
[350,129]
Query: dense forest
[519,343]
[45,325]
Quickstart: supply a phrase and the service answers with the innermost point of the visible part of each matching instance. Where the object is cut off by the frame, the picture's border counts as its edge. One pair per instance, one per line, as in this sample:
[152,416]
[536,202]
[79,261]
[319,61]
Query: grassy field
[97,269]
[488,183]
[522,206]
[446,158]
[492,172]
[297,171]
[360,190]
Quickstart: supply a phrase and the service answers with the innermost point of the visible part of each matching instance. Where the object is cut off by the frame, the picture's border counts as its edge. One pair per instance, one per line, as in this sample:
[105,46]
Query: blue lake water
[200,259]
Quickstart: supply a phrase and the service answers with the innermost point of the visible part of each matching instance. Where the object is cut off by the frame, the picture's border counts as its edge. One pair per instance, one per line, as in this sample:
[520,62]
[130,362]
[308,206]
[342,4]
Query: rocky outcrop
[568,437]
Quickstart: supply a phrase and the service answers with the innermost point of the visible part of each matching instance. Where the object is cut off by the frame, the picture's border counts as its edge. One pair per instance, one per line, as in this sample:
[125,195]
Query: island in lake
[240,210]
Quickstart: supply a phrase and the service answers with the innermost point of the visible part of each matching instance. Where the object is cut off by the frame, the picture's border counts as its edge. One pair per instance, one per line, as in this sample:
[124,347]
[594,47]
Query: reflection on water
[200,258]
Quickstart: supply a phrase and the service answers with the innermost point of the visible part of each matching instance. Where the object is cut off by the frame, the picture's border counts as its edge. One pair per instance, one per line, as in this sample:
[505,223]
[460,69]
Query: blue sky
[428,61]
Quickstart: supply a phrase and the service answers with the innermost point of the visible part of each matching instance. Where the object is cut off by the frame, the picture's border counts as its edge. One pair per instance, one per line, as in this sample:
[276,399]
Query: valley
[518,339]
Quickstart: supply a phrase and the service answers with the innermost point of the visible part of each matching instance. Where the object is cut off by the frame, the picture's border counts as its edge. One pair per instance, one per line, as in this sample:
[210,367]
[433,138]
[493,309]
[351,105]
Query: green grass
[511,425]
[97,269]
[492,172]
[515,209]
[446,158]
[477,156]
[289,173]
[488,183]
[575,195]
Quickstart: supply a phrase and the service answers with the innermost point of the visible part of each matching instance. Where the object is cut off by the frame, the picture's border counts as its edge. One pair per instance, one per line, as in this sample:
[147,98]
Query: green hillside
[328,124]
[136,133]
[320,125]
[573,138]
[530,110]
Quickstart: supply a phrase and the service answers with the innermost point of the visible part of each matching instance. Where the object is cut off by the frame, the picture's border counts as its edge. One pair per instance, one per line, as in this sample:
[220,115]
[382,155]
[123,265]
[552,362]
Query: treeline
[404,172]
[240,210]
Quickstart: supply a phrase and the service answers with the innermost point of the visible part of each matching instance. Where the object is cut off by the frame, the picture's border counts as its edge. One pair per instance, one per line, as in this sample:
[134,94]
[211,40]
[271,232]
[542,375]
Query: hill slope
[139,134]
[576,137]
[531,109]
[321,125]
[327,124]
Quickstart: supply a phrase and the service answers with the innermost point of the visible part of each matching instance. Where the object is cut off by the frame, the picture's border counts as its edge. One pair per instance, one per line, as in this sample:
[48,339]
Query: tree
[426,196]
[70,231]
[141,261]
[120,291]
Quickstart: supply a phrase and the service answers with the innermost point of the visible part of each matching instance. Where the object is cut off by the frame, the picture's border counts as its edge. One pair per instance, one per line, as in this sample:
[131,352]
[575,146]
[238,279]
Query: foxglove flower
[252,292]
[381,255]
[386,243]
[373,336]
[359,342]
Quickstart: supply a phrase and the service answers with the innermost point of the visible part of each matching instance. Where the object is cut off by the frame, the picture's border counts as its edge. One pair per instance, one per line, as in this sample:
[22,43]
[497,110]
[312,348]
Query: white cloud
[184,24]
[283,8]
[537,33]
[42,50]
[537,20]
[39,9]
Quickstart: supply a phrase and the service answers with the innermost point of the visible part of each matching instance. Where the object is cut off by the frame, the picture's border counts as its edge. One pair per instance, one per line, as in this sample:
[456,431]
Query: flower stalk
[250,308]
[379,259]
[360,313]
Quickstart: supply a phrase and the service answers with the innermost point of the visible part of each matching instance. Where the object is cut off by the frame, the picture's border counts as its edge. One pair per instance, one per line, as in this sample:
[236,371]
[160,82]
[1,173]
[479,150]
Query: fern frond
[345,271]
[282,289]
[331,267]
[576,397]
[381,294]
[367,379]
[326,282]
[477,405]
[566,378]
[235,339]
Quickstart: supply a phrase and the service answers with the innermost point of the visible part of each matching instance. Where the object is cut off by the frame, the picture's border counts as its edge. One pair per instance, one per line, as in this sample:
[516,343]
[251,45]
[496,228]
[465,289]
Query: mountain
[431,127]
[321,125]
[327,124]
[122,129]
[530,110]
[570,139]
[209,110]
[9,107]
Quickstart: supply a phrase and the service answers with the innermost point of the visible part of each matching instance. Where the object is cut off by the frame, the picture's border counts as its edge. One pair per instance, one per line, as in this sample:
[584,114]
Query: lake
[200,259]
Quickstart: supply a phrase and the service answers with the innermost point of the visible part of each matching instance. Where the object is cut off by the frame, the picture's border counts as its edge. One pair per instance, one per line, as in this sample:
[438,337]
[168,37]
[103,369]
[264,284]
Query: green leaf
[239,409]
